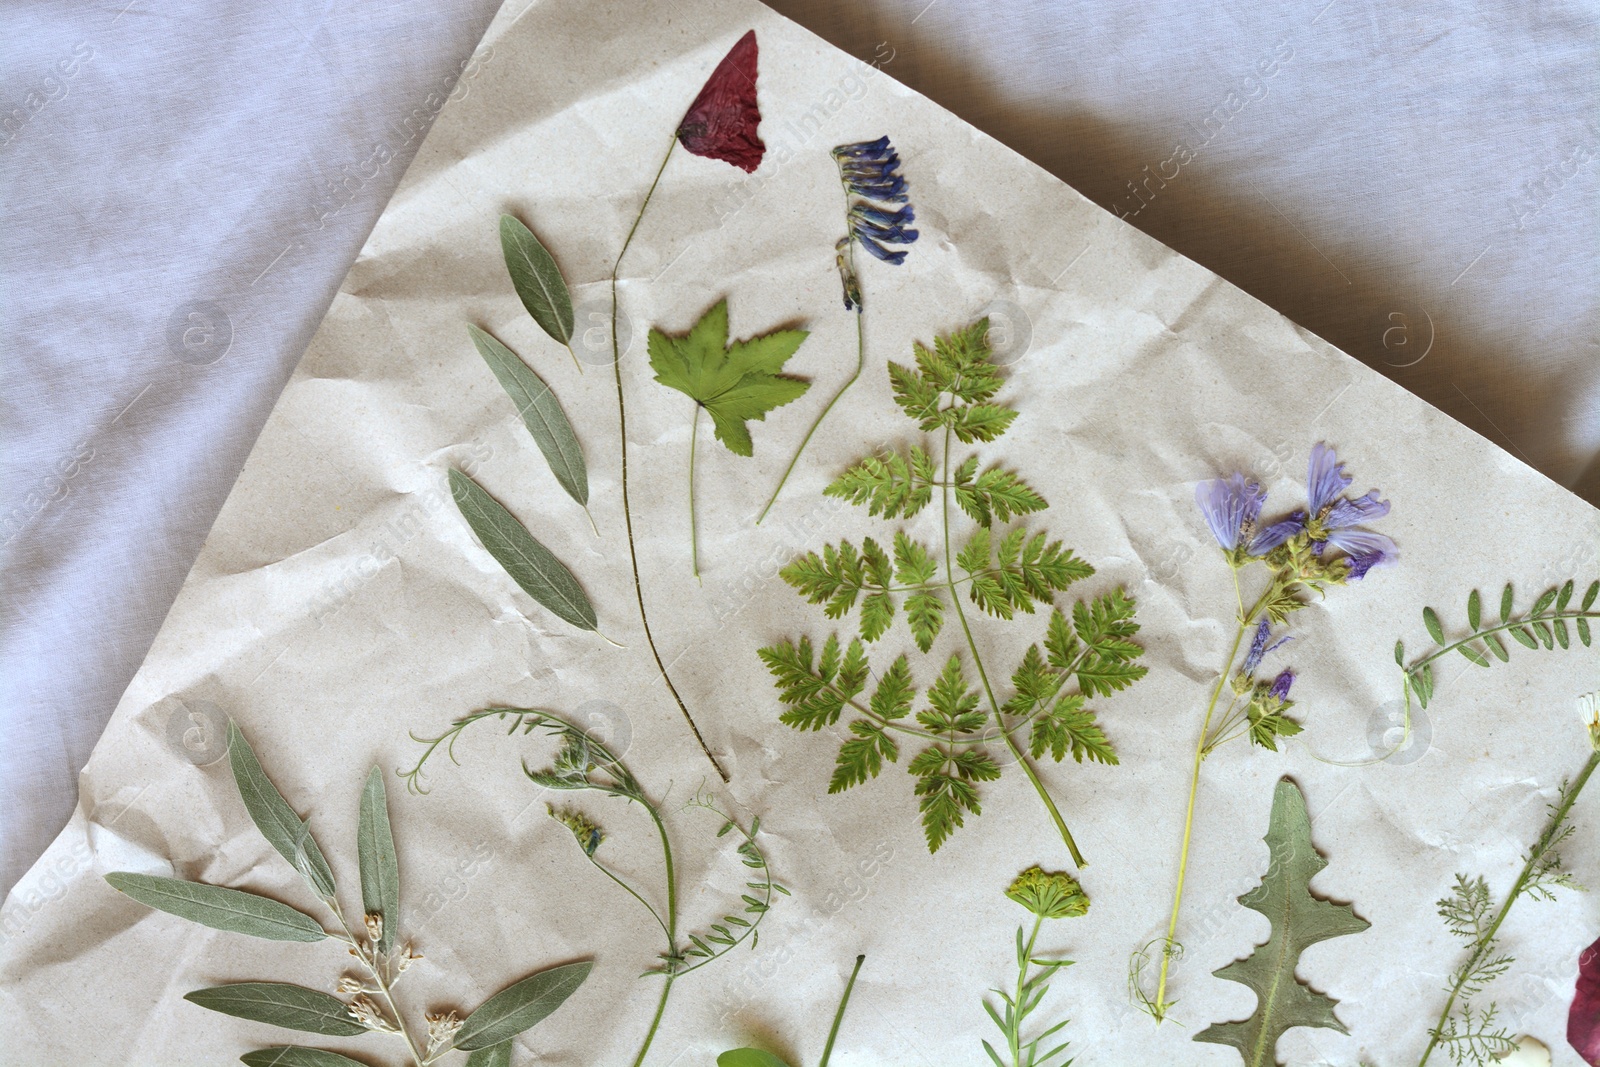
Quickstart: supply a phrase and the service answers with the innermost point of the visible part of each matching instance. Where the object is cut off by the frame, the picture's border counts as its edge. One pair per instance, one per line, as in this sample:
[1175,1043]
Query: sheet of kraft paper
[341,604]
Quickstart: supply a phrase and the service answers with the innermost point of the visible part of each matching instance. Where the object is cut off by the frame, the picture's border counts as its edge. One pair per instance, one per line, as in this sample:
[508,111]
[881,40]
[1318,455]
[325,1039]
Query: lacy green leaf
[521,1006]
[220,908]
[541,414]
[293,1007]
[892,486]
[862,757]
[283,829]
[1299,920]
[297,1056]
[537,279]
[734,383]
[380,869]
[529,563]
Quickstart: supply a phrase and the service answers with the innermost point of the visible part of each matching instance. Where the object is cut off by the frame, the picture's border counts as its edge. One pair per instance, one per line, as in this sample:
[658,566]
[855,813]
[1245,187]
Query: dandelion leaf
[1299,920]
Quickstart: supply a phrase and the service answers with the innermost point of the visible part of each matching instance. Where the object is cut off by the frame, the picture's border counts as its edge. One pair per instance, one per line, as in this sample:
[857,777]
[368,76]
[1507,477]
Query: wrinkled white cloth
[187,184]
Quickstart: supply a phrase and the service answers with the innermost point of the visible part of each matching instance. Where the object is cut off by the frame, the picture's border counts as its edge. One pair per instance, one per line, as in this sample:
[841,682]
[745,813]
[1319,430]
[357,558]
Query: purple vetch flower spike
[1231,506]
[870,173]
[1281,684]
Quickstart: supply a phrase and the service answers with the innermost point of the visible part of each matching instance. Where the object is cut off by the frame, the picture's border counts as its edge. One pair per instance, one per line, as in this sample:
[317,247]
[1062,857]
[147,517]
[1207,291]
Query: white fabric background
[1409,183]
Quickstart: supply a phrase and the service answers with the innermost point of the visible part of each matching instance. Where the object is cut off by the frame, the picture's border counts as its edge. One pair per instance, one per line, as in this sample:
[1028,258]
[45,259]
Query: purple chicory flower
[1259,647]
[1231,506]
[1281,684]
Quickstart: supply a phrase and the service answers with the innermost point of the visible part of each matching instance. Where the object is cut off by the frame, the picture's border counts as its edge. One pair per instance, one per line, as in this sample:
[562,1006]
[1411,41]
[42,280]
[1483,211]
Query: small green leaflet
[749,1057]
[537,280]
[281,1004]
[380,869]
[733,383]
[296,1056]
[541,414]
[219,908]
[1299,920]
[520,1006]
[530,564]
[278,823]
[491,1056]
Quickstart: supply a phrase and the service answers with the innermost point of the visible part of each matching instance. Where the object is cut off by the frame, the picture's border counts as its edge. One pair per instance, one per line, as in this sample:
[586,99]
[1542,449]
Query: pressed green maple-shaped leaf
[1299,920]
[734,383]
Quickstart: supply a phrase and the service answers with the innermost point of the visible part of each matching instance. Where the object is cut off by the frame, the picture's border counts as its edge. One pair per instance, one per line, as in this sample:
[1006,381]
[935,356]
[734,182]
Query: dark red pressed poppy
[721,123]
[1583,1020]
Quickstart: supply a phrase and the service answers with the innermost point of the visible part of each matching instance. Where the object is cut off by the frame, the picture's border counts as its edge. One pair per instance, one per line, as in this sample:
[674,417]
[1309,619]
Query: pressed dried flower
[721,123]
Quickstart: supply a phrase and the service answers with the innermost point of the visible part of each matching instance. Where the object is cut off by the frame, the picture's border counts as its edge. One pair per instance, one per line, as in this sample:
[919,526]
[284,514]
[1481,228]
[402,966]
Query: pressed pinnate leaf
[1105,626]
[995,494]
[220,908]
[815,694]
[283,829]
[892,699]
[1299,920]
[863,756]
[521,1006]
[541,414]
[892,485]
[281,1004]
[537,280]
[296,1056]
[529,563]
[380,869]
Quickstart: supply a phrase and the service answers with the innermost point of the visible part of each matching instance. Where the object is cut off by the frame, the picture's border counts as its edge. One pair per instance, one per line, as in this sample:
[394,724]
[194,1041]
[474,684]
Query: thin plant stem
[1201,750]
[1552,829]
[627,513]
[373,969]
[590,517]
[838,1016]
[574,356]
[694,531]
[1015,1037]
[861,357]
[670,928]
[994,705]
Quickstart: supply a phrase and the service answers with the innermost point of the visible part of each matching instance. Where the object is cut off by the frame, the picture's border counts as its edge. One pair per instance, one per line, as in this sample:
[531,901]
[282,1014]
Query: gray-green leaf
[519,1007]
[491,1056]
[281,1004]
[278,823]
[529,563]
[541,414]
[537,279]
[297,1056]
[233,910]
[380,870]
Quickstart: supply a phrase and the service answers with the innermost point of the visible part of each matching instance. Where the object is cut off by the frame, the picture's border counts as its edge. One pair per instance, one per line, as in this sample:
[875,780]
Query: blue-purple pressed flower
[1231,506]
[1331,518]
[1281,684]
[870,172]
[1260,645]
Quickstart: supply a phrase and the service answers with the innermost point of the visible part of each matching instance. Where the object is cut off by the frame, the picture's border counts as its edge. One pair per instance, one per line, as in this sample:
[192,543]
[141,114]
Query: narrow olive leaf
[1474,610]
[380,870]
[529,563]
[749,1057]
[1400,653]
[293,1007]
[233,910]
[297,1056]
[520,1006]
[541,414]
[491,1056]
[283,829]
[1430,618]
[537,279]
[1505,604]
[1299,920]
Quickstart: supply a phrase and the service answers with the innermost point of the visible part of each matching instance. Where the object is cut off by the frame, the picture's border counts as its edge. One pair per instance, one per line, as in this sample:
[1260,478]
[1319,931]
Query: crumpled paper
[341,603]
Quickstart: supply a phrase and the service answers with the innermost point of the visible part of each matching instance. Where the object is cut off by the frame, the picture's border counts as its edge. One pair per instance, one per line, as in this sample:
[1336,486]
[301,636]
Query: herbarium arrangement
[584,763]
[951,393]
[382,956]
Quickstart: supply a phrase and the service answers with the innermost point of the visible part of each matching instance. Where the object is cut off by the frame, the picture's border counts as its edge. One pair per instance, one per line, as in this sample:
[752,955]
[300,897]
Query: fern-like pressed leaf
[891,486]
[862,756]
[1105,626]
[815,694]
[1299,920]
[995,494]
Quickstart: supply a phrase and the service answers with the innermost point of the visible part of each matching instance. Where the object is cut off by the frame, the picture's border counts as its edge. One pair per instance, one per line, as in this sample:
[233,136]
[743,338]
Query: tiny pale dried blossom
[1589,710]
[350,984]
[406,958]
[374,926]
[441,1031]
[364,1010]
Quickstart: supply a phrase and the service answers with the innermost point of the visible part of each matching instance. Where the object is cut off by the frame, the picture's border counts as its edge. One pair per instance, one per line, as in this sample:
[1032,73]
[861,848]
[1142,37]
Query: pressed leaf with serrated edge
[529,563]
[734,383]
[541,414]
[1299,920]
